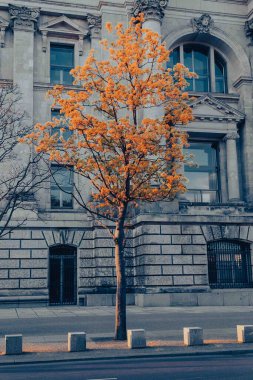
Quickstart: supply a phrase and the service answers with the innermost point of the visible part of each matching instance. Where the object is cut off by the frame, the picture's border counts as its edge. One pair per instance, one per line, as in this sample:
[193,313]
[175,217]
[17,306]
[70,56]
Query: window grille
[229,264]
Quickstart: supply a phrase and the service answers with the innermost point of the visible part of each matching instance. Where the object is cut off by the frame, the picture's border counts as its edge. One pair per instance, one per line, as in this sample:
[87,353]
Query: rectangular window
[61,187]
[203,174]
[55,114]
[61,62]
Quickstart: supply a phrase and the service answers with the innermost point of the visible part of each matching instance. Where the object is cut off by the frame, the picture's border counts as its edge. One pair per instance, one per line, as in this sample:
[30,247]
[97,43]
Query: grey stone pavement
[47,327]
[51,324]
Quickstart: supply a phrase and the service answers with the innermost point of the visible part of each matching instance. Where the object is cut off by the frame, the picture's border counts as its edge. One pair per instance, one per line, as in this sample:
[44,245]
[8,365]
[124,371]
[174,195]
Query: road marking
[111,378]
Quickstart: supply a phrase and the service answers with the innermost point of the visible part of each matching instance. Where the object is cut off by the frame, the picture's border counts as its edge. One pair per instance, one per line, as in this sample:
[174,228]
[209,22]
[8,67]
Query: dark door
[62,275]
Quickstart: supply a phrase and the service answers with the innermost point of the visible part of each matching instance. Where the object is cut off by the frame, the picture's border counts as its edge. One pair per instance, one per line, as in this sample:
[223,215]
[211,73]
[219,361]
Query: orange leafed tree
[127,157]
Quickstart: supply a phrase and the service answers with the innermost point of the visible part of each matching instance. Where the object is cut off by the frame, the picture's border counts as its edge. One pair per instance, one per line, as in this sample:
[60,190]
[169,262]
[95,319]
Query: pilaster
[24,22]
[95,27]
[232,166]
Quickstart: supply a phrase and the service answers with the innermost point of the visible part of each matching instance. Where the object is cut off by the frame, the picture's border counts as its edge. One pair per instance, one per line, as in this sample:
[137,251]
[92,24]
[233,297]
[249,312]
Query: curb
[47,360]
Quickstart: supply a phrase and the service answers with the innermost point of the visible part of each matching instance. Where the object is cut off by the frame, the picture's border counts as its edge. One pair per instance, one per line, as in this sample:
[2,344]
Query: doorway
[62,275]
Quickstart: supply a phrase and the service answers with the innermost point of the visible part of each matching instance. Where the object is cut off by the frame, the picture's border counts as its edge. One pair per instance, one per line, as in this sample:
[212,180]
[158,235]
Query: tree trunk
[120,311]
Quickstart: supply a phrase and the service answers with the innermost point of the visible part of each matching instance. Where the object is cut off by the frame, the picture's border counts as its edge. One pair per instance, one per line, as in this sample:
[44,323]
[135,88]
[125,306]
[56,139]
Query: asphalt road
[160,323]
[236,367]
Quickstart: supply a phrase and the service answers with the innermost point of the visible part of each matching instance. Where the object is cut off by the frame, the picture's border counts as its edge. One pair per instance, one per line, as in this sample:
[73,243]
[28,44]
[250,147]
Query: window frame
[211,61]
[63,43]
[201,192]
[60,189]
[58,128]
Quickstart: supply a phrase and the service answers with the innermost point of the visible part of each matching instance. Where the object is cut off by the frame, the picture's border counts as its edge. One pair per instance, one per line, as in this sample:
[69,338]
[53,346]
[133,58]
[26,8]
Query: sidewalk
[120,352]
[67,311]
[42,342]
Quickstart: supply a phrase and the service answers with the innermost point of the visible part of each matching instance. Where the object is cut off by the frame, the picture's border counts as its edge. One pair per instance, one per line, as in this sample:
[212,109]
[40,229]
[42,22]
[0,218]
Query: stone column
[24,21]
[232,167]
[153,11]
[244,87]
[95,26]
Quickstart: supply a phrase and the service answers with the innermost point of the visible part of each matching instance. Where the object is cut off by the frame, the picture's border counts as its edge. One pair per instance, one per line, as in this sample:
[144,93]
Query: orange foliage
[126,158]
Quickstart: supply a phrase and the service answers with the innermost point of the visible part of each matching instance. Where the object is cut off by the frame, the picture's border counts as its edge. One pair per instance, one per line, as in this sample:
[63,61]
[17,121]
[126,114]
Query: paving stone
[13,344]
[76,341]
[245,333]
[193,336]
[136,338]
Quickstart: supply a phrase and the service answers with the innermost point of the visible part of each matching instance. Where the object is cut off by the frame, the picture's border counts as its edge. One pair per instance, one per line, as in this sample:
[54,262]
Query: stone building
[197,250]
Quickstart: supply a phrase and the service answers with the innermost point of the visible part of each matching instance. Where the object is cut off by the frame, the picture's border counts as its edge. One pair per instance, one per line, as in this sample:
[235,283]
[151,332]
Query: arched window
[229,264]
[206,62]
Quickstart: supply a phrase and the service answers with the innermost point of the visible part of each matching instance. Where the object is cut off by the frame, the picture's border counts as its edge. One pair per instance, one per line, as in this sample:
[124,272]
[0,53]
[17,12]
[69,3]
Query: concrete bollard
[193,336]
[245,333]
[76,341]
[136,339]
[13,344]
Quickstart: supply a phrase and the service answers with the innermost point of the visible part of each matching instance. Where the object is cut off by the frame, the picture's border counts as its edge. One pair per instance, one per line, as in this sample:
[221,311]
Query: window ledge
[219,95]
[196,208]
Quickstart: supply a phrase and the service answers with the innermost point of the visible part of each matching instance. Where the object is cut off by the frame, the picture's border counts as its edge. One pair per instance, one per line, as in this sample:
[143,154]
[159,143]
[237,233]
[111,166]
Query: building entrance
[63,275]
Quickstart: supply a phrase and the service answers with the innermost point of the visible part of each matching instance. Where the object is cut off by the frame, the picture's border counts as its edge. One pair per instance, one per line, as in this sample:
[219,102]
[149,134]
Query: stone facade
[167,246]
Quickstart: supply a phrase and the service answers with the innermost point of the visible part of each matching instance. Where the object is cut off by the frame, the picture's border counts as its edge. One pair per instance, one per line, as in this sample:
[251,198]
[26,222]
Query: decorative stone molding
[152,9]
[24,18]
[231,136]
[95,25]
[63,27]
[203,24]
[249,28]
[63,236]
[3,25]
[219,111]
[242,80]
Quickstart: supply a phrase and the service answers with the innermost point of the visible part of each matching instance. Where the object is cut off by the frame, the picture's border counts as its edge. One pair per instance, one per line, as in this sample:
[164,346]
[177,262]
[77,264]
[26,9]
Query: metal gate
[229,264]
[62,275]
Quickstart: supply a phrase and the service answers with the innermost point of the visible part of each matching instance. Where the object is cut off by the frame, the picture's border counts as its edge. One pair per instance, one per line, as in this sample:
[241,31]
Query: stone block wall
[24,262]
[160,257]
[97,264]
[170,255]
[23,265]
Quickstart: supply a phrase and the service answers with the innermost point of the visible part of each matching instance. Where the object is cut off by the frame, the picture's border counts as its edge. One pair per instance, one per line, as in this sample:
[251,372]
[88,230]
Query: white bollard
[193,336]
[136,338]
[245,333]
[76,341]
[13,344]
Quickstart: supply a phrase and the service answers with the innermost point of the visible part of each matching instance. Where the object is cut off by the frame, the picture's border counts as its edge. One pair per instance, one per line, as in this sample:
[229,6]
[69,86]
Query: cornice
[227,113]
[242,81]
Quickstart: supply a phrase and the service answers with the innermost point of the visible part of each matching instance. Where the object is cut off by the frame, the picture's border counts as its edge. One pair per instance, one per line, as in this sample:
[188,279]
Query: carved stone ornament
[231,136]
[23,17]
[203,24]
[249,28]
[3,25]
[152,9]
[95,25]
[63,26]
